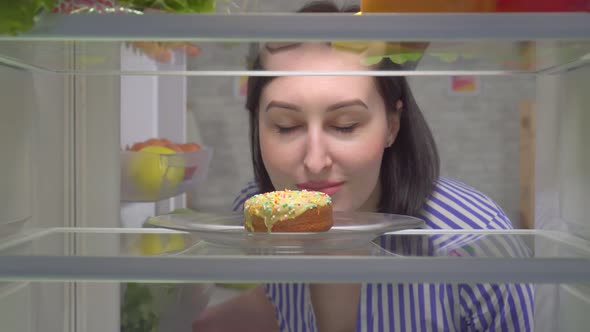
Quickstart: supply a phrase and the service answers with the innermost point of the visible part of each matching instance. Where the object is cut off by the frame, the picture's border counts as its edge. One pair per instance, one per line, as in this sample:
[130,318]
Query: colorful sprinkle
[281,205]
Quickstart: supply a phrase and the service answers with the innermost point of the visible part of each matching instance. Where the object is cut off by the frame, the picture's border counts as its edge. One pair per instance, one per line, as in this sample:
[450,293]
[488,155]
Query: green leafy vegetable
[19,16]
[137,312]
[143,305]
[173,6]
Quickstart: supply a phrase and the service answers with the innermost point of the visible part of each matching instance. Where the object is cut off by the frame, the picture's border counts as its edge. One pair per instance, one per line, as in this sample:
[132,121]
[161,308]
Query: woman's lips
[327,187]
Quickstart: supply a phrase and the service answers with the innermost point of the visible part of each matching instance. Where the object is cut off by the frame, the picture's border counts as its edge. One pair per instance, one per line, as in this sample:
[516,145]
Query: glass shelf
[423,44]
[330,26]
[155,255]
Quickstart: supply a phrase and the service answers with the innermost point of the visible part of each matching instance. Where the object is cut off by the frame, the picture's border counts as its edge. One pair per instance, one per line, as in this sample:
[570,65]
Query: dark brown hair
[409,167]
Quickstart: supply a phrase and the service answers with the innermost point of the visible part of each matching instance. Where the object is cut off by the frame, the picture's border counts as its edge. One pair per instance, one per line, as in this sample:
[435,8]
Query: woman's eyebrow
[277,47]
[347,103]
[283,105]
[333,107]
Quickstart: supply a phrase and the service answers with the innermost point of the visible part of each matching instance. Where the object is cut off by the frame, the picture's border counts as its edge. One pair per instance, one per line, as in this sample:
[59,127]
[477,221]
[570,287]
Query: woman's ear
[394,123]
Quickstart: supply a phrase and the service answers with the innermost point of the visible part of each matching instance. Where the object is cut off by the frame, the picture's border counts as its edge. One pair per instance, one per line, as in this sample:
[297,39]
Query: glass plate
[356,229]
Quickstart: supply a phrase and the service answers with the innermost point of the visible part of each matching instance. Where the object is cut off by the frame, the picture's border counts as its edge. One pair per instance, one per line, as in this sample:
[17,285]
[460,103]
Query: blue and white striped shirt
[428,307]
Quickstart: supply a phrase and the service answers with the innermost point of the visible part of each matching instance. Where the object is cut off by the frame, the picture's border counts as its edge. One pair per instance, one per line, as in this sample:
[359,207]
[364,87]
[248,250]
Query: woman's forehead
[321,91]
[309,56]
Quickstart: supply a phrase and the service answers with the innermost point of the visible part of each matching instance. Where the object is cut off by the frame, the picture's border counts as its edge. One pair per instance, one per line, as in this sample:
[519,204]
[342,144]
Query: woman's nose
[317,157]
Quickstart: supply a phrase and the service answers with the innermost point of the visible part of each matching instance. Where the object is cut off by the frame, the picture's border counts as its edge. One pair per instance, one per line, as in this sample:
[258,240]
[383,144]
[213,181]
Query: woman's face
[325,133]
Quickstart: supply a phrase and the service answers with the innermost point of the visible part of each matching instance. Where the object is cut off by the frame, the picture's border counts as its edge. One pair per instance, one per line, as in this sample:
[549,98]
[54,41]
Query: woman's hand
[251,311]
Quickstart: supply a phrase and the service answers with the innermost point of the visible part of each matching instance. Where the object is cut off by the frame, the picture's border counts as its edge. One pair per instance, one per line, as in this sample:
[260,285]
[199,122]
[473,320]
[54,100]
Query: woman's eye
[346,129]
[286,130]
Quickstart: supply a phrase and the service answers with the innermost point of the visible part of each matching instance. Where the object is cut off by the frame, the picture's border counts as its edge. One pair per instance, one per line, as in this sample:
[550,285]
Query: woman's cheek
[278,160]
[273,150]
[361,164]
[363,154]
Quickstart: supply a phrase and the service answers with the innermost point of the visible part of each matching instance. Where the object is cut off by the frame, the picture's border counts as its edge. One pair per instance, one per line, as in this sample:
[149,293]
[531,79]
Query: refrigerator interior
[63,126]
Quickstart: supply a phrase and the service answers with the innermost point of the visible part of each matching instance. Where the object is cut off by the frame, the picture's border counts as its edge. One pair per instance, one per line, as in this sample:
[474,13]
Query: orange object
[543,5]
[158,141]
[425,6]
[138,146]
[187,147]
[175,147]
[150,142]
[178,147]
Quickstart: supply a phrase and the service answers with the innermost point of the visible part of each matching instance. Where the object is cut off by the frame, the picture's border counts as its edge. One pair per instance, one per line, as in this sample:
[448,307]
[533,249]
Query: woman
[364,141]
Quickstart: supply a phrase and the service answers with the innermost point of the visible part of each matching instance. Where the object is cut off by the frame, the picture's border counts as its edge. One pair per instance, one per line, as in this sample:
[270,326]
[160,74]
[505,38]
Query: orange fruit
[188,147]
[158,141]
[138,146]
[175,147]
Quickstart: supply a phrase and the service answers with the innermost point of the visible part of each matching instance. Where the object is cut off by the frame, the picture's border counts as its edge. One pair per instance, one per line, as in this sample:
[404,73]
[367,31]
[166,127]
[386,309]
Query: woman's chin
[342,207]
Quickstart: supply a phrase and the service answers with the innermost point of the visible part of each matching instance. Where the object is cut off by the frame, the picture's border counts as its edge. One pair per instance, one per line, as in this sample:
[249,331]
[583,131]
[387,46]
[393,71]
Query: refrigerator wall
[34,182]
[562,186]
[574,155]
[574,186]
[59,141]
[562,168]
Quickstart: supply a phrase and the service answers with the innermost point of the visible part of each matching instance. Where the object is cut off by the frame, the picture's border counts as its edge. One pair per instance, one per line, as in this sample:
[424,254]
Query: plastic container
[150,177]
